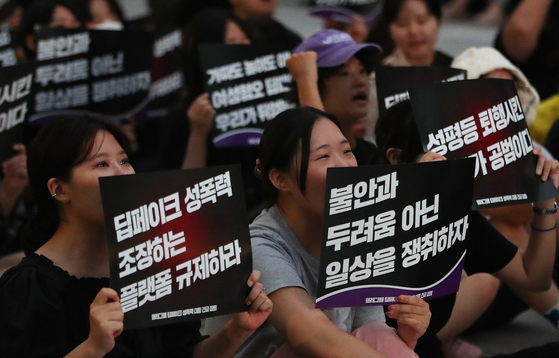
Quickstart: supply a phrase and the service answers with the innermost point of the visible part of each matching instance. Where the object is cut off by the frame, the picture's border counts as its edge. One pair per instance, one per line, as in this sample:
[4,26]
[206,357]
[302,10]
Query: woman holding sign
[56,302]
[186,140]
[488,251]
[296,149]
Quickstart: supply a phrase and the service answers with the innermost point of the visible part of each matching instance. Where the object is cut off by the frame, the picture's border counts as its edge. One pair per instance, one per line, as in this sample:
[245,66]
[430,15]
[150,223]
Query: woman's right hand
[201,115]
[302,67]
[105,321]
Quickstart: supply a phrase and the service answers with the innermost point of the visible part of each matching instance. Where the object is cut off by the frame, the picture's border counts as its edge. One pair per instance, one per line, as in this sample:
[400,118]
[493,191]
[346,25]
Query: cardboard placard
[394,229]
[166,76]
[248,86]
[15,102]
[179,244]
[484,119]
[91,71]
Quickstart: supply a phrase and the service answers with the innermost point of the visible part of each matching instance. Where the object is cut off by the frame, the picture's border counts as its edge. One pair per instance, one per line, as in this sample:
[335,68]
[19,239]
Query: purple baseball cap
[334,47]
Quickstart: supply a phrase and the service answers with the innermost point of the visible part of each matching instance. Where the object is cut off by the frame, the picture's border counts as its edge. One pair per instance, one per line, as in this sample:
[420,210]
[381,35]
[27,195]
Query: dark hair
[208,26]
[391,8]
[54,152]
[396,128]
[40,12]
[283,136]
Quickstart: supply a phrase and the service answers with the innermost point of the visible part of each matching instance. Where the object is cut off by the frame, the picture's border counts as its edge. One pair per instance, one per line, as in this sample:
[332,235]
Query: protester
[512,221]
[530,269]
[11,13]
[56,302]
[296,149]
[186,131]
[331,72]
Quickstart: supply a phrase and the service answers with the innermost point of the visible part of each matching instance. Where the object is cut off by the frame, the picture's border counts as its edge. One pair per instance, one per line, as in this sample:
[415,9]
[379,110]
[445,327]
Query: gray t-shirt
[283,262]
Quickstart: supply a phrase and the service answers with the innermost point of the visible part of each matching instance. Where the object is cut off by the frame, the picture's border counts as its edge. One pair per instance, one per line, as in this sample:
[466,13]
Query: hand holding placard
[260,306]
[413,316]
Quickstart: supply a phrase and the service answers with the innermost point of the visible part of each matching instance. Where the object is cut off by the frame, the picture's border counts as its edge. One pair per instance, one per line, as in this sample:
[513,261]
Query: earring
[53,195]
[65,199]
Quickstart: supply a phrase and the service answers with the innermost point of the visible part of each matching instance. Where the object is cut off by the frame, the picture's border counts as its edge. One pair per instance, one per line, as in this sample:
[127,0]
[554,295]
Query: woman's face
[328,148]
[101,12]
[415,31]
[234,35]
[107,158]
[63,17]
[346,93]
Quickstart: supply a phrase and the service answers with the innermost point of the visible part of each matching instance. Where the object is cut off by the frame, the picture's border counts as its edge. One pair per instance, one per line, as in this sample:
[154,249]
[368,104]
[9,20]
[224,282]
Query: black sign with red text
[483,119]
[179,244]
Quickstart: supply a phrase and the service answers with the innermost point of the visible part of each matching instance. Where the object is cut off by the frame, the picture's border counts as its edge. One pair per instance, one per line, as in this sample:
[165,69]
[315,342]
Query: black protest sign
[482,118]
[393,82]
[345,10]
[393,229]
[7,50]
[179,244]
[15,102]
[166,76]
[248,86]
[92,71]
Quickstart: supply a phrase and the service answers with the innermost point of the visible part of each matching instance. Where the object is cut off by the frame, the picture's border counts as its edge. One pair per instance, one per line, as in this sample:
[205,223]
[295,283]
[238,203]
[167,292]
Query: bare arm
[309,332]
[302,67]
[532,268]
[226,342]
[523,28]
[201,116]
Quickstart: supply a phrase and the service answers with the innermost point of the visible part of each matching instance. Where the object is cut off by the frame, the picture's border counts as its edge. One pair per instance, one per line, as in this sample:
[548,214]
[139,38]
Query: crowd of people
[55,298]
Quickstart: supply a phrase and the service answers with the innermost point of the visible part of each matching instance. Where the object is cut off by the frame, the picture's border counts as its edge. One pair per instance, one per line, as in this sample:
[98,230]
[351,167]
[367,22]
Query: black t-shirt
[44,312]
[488,252]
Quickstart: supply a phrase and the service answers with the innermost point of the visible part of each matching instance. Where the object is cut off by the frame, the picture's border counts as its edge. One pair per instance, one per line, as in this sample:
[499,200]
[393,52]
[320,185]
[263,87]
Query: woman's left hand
[259,305]
[413,316]
[431,157]
[546,167]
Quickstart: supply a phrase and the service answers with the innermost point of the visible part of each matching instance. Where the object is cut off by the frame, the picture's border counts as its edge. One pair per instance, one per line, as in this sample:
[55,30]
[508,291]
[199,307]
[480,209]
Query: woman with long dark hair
[56,302]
